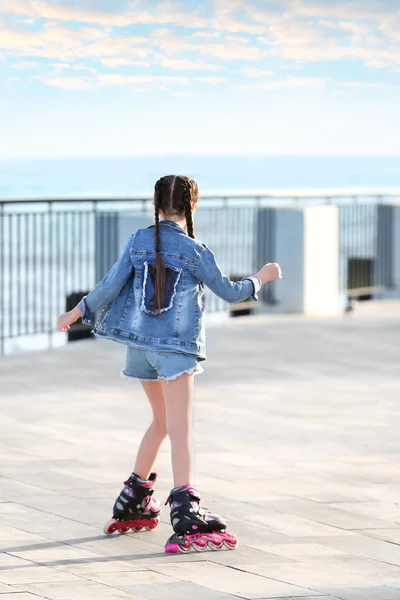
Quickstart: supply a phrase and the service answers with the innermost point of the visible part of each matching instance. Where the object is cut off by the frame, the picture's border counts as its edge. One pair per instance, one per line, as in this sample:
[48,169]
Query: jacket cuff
[256,286]
[87,315]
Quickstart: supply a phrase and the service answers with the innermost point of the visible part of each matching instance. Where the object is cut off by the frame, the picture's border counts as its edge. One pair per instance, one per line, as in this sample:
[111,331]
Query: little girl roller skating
[152,300]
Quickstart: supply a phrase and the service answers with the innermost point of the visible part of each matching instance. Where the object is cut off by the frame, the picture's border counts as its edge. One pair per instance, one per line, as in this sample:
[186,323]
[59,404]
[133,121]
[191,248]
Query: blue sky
[118,77]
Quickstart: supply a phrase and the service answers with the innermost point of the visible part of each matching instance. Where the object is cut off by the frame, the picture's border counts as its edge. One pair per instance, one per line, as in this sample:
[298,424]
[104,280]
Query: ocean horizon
[124,176]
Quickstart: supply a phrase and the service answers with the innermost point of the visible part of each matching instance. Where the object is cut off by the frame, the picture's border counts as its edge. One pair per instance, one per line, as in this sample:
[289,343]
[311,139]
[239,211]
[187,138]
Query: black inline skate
[195,528]
[135,508]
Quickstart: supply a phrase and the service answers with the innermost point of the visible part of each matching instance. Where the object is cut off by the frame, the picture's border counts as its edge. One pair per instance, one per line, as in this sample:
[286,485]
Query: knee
[177,431]
[161,426]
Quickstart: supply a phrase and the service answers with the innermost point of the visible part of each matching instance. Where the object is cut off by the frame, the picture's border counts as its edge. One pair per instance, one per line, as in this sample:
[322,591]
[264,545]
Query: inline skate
[135,508]
[195,528]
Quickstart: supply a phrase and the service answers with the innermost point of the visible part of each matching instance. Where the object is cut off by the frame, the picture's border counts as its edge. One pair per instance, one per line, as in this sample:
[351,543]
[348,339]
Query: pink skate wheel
[152,524]
[172,548]
[200,545]
[111,526]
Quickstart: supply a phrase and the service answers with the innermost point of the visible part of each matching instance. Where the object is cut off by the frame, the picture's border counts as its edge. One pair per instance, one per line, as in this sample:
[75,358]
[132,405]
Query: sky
[241,77]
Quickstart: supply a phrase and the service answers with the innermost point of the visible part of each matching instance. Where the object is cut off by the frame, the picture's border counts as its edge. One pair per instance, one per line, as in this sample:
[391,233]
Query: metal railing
[52,251]
[365,246]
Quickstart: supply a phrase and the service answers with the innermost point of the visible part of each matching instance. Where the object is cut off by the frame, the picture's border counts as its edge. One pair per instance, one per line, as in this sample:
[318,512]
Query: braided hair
[173,195]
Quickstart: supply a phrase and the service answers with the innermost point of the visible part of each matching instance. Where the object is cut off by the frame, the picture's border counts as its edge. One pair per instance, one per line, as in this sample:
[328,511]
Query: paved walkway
[297,444]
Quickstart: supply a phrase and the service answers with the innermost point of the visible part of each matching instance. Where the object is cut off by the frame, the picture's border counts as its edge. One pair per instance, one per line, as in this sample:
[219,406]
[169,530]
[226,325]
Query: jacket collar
[173,225]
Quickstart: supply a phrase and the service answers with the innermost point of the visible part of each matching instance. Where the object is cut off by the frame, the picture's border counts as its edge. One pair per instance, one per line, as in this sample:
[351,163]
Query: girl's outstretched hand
[269,272]
[65,320]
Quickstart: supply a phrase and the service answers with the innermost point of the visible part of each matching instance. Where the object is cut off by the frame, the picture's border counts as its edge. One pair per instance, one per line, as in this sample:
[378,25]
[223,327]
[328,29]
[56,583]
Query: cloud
[66,45]
[317,83]
[354,9]
[168,13]
[185,64]
[311,41]
[301,31]
[225,23]
[236,39]
[377,63]
[172,12]
[361,84]
[183,94]
[205,34]
[310,31]
[227,19]
[26,65]
[113,63]
[231,51]
[171,44]
[254,73]
[211,80]
[66,66]
[69,83]
[390,27]
[14,79]
[60,66]
[352,26]
[292,67]
[118,80]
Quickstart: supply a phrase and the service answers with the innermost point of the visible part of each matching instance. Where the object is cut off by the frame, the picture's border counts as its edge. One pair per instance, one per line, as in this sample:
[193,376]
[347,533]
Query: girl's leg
[178,395]
[155,434]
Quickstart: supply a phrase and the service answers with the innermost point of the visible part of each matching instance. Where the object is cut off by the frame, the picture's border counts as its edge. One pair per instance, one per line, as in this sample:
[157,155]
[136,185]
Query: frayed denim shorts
[152,365]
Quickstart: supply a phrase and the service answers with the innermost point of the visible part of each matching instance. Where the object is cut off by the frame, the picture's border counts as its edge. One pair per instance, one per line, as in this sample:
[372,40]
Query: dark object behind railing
[366,256]
[78,331]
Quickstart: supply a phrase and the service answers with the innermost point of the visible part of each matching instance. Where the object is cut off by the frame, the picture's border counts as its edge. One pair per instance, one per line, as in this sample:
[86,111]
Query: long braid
[160,268]
[188,212]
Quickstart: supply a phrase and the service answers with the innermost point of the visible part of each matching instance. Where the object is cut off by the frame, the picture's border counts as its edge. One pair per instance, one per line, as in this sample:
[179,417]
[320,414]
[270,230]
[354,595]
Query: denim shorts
[152,365]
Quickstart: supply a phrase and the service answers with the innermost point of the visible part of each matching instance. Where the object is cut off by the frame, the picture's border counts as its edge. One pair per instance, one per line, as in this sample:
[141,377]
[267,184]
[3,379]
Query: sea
[124,176]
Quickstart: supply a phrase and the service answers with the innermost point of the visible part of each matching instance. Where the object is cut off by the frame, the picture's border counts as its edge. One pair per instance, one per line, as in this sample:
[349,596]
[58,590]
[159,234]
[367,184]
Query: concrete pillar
[307,248]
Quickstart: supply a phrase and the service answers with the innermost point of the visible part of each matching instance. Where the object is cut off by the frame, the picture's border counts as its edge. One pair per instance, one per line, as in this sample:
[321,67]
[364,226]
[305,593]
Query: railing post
[49,273]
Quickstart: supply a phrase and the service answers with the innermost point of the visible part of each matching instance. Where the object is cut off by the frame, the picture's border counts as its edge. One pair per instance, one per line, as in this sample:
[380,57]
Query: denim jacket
[125,295]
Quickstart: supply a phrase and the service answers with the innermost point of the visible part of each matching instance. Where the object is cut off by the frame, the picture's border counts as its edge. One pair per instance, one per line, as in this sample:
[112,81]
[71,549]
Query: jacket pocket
[149,303]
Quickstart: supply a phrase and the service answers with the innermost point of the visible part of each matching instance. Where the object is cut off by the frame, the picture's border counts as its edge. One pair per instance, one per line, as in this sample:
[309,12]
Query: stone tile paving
[297,445]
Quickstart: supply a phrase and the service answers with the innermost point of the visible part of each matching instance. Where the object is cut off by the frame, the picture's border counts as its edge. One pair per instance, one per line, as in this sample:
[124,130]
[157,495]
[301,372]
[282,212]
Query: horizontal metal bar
[257,194]
[366,291]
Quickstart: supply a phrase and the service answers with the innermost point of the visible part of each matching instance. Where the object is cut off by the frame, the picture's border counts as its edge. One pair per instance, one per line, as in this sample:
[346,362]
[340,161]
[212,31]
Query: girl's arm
[104,292]
[208,271]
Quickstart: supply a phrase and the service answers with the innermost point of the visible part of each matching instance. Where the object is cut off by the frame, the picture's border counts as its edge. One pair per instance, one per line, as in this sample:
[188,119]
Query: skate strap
[145,484]
[192,493]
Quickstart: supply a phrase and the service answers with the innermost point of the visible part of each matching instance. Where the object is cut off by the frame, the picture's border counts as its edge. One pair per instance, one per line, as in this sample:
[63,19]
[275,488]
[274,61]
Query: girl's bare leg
[178,395]
[156,433]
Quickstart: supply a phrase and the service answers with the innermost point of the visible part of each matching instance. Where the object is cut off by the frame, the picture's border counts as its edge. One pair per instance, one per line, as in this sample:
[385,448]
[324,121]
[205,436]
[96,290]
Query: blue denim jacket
[125,294]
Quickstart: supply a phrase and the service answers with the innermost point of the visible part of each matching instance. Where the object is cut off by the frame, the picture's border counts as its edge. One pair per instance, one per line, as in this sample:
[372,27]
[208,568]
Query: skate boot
[135,508]
[195,528]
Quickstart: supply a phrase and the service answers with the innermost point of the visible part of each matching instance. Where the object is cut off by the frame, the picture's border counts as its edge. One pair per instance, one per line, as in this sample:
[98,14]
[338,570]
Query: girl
[152,300]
